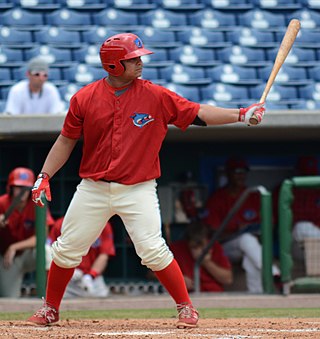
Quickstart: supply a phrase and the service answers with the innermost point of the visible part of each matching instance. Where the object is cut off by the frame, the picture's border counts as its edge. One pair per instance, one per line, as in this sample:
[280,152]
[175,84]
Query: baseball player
[17,232]
[87,279]
[123,121]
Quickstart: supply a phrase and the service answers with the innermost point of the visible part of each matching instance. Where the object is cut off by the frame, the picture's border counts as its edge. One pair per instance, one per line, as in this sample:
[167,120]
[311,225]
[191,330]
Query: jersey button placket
[117,130]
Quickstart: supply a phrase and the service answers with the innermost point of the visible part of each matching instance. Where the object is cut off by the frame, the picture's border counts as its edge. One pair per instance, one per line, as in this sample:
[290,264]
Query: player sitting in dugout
[87,280]
[215,269]
[17,232]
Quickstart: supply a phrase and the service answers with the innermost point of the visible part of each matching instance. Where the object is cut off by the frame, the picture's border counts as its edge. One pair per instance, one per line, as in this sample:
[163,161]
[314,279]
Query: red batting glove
[255,109]
[41,186]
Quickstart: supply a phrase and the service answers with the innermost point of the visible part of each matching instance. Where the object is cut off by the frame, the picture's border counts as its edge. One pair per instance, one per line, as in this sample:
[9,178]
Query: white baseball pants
[94,203]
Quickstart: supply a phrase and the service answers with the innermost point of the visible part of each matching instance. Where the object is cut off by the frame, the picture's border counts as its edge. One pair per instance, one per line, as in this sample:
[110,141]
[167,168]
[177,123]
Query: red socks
[172,279]
[58,279]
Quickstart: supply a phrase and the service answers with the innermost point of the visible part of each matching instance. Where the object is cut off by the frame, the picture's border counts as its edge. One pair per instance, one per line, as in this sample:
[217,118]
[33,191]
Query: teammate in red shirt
[17,232]
[123,121]
[238,243]
[215,269]
[87,280]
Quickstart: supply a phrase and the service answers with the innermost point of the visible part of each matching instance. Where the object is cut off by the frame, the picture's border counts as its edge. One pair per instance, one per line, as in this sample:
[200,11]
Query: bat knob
[253,120]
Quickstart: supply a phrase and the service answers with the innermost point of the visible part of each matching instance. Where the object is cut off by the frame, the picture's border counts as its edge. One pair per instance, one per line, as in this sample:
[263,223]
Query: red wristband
[93,273]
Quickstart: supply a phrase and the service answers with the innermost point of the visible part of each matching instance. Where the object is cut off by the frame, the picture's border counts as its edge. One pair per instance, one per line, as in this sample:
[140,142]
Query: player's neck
[118,82]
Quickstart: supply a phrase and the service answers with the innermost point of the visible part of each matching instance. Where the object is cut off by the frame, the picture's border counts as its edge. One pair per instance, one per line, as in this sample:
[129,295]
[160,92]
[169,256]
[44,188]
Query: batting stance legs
[93,204]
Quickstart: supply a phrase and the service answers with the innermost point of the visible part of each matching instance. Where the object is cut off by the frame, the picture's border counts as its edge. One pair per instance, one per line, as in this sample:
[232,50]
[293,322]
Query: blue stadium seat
[276,106]
[88,54]
[247,36]
[67,91]
[278,93]
[225,92]
[84,5]
[181,74]
[233,74]
[314,73]
[38,5]
[188,92]
[213,19]
[157,37]
[133,5]
[5,75]
[161,18]
[160,58]
[10,56]
[97,34]
[151,73]
[4,90]
[115,18]
[15,37]
[51,54]
[262,19]
[57,36]
[228,5]
[306,105]
[306,38]
[288,75]
[312,4]
[239,55]
[202,37]
[2,106]
[67,17]
[224,104]
[309,19]
[181,5]
[281,5]
[310,92]
[297,56]
[83,74]
[21,17]
[189,55]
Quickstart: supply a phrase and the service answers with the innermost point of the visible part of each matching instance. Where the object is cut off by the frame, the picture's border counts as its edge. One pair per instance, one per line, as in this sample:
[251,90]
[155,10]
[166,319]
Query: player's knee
[155,255]
[63,257]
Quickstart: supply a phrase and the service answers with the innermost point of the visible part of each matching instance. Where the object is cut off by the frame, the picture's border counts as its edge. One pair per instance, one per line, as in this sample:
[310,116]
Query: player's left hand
[246,113]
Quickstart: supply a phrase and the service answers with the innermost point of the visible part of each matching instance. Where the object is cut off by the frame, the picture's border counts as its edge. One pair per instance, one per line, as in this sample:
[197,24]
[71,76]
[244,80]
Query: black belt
[106,180]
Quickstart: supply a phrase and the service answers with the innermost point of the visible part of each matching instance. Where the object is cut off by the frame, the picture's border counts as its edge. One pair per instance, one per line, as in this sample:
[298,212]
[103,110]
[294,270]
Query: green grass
[170,313]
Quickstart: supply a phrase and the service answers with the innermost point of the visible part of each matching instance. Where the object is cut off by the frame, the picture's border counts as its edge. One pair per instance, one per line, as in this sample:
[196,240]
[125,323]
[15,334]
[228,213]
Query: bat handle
[254,120]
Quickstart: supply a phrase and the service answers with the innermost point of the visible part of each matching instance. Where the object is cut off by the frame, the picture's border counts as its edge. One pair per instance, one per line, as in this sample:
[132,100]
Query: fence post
[41,225]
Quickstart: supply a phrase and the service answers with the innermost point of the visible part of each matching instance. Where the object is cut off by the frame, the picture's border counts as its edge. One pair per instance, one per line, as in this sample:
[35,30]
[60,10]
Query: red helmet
[119,47]
[21,176]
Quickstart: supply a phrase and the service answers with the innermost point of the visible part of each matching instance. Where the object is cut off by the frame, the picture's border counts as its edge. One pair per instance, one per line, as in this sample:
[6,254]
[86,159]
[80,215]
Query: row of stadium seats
[170,4]
[159,18]
[196,36]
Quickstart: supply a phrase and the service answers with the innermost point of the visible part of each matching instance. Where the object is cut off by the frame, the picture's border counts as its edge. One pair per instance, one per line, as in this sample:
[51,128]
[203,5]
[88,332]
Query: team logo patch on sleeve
[141,119]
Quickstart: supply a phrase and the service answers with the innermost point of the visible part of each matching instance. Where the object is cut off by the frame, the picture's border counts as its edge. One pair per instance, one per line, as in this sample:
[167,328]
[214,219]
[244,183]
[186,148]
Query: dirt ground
[164,328]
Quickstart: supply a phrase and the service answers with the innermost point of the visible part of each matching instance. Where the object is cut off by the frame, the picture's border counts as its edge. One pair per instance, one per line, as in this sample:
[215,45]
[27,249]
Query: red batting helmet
[21,176]
[120,47]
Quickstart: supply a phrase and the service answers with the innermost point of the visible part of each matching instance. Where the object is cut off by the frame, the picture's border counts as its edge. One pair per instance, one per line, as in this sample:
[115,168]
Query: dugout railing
[266,237]
[286,197]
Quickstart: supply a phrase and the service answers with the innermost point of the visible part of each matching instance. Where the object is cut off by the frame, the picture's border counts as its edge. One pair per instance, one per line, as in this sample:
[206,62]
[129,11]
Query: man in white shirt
[34,95]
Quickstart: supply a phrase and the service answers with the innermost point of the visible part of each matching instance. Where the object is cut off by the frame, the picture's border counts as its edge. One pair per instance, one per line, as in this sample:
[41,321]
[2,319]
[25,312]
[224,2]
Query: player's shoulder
[149,85]
[20,86]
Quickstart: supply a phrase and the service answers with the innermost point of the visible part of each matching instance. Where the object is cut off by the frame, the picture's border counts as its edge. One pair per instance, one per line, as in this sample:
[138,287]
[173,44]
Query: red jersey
[123,129]
[306,205]
[103,245]
[220,204]
[186,262]
[21,225]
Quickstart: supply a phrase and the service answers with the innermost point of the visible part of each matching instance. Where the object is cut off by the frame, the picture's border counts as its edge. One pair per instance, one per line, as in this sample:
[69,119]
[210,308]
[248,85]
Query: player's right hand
[41,186]
[246,113]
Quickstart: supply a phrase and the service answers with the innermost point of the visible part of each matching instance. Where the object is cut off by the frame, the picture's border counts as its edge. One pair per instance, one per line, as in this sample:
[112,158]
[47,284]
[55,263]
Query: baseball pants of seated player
[11,278]
[94,203]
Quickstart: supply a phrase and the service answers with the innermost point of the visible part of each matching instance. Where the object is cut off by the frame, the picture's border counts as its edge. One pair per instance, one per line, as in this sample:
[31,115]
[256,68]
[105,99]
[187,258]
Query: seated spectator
[215,269]
[17,232]
[34,95]
[87,280]
[306,202]
[240,241]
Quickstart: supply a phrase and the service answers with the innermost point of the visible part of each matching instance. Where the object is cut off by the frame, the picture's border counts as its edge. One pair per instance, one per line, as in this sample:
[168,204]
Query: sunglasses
[37,74]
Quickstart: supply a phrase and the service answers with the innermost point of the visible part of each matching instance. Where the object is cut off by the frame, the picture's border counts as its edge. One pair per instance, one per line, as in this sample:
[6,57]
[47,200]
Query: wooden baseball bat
[284,49]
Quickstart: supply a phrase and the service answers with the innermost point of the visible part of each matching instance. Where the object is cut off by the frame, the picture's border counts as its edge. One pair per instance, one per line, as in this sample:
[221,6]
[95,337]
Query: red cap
[307,165]
[236,164]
